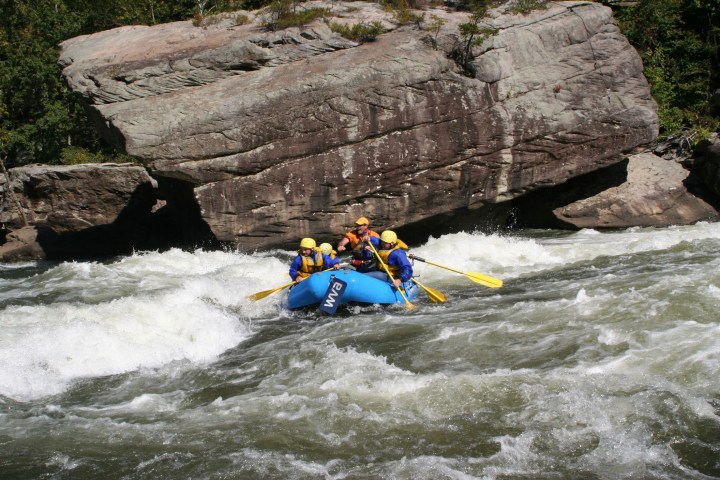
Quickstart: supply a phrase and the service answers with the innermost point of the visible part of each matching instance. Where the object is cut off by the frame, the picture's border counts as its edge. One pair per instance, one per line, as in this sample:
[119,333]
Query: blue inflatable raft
[330,289]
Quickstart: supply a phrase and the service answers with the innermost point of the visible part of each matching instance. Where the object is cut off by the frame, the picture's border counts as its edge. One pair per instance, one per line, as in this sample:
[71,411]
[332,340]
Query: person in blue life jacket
[310,260]
[392,253]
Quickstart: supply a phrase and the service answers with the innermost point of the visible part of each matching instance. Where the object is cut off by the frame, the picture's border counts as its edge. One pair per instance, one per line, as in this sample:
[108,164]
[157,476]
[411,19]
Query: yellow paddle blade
[435,296]
[486,280]
[265,293]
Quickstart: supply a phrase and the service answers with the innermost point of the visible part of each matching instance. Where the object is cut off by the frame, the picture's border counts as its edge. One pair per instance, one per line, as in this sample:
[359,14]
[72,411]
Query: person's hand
[398,282]
[299,279]
[341,248]
[336,266]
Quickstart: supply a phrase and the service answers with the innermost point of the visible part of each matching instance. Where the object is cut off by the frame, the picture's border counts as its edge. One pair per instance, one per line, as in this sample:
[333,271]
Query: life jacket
[384,254]
[355,239]
[311,264]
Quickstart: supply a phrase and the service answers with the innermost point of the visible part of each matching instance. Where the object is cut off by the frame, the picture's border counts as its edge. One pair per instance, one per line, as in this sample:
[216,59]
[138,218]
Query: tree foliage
[39,116]
[678,42]
[472,34]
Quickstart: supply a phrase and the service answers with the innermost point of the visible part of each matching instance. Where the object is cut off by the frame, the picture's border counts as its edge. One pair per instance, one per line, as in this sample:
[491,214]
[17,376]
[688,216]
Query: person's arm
[398,259]
[331,262]
[367,252]
[295,267]
[341,244]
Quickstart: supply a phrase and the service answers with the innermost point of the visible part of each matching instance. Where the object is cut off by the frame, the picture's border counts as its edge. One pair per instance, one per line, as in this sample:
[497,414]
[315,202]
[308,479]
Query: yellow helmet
[362,221]
[307,243]
[388,236]
[326,248]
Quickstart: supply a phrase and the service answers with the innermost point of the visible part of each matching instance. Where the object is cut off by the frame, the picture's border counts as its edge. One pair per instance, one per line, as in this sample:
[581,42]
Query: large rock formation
[82,211]
[285,134]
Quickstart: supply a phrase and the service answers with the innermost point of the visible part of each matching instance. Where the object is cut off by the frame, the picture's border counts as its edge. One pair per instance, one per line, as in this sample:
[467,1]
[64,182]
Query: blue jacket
[365,253]
[398,258]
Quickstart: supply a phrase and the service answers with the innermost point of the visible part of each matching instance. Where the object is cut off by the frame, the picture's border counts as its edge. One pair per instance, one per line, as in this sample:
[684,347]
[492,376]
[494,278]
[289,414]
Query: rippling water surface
[598,358]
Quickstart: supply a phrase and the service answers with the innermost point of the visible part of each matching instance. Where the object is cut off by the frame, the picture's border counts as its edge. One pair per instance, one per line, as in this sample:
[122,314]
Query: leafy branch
[472,35]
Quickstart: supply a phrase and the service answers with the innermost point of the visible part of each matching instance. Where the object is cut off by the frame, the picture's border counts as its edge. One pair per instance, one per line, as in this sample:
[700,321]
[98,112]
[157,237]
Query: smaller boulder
[80,211]
[655,194]
[22,245]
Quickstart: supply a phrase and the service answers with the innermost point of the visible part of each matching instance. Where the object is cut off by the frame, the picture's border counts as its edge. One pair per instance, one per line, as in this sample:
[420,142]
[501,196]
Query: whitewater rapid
[90,319]
[597,358]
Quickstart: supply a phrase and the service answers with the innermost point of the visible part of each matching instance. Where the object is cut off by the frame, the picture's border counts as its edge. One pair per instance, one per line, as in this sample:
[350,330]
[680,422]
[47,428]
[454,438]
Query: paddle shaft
[387,270]
[415,257]
[486,280]
[260,295]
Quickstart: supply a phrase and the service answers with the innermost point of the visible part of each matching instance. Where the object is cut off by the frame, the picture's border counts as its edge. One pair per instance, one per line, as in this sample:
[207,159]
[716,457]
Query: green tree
[39,116]
[472,35]
[678,42]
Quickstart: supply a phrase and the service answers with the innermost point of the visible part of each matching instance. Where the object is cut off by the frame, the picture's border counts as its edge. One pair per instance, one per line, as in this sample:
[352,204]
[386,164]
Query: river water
[598,359]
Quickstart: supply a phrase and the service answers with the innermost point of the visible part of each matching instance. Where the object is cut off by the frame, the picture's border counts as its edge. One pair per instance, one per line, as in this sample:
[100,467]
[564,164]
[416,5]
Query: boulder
[280,135]
[70,198]
[655,194]
[80,211]
[21,245]
[706,165]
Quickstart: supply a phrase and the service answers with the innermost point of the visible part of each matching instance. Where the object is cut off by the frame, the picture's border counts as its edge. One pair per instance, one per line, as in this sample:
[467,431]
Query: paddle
[434,295]
[265,293]
[486,280]
[408,305]
[259,295]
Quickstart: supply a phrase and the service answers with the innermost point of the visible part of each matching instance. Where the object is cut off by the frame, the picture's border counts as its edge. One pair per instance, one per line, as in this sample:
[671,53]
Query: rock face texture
[654,194]
[72,198]
[83,211]
[280,135]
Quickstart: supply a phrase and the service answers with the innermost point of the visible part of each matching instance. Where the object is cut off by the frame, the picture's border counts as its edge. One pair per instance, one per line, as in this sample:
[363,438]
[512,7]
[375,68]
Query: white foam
[44,349]
[144,311]
[508,255]
[364,375]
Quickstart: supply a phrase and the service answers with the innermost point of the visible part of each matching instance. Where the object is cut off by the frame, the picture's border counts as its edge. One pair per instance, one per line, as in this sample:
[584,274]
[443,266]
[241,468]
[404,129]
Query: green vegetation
[242,20]
[282,14]
[472,34]
[78,155]
[403,12]
[526,6]
[435,24]
[678,41]
[358,32]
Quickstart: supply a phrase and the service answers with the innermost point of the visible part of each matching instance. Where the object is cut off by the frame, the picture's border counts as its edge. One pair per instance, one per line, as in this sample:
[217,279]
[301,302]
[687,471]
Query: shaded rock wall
[83,211]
